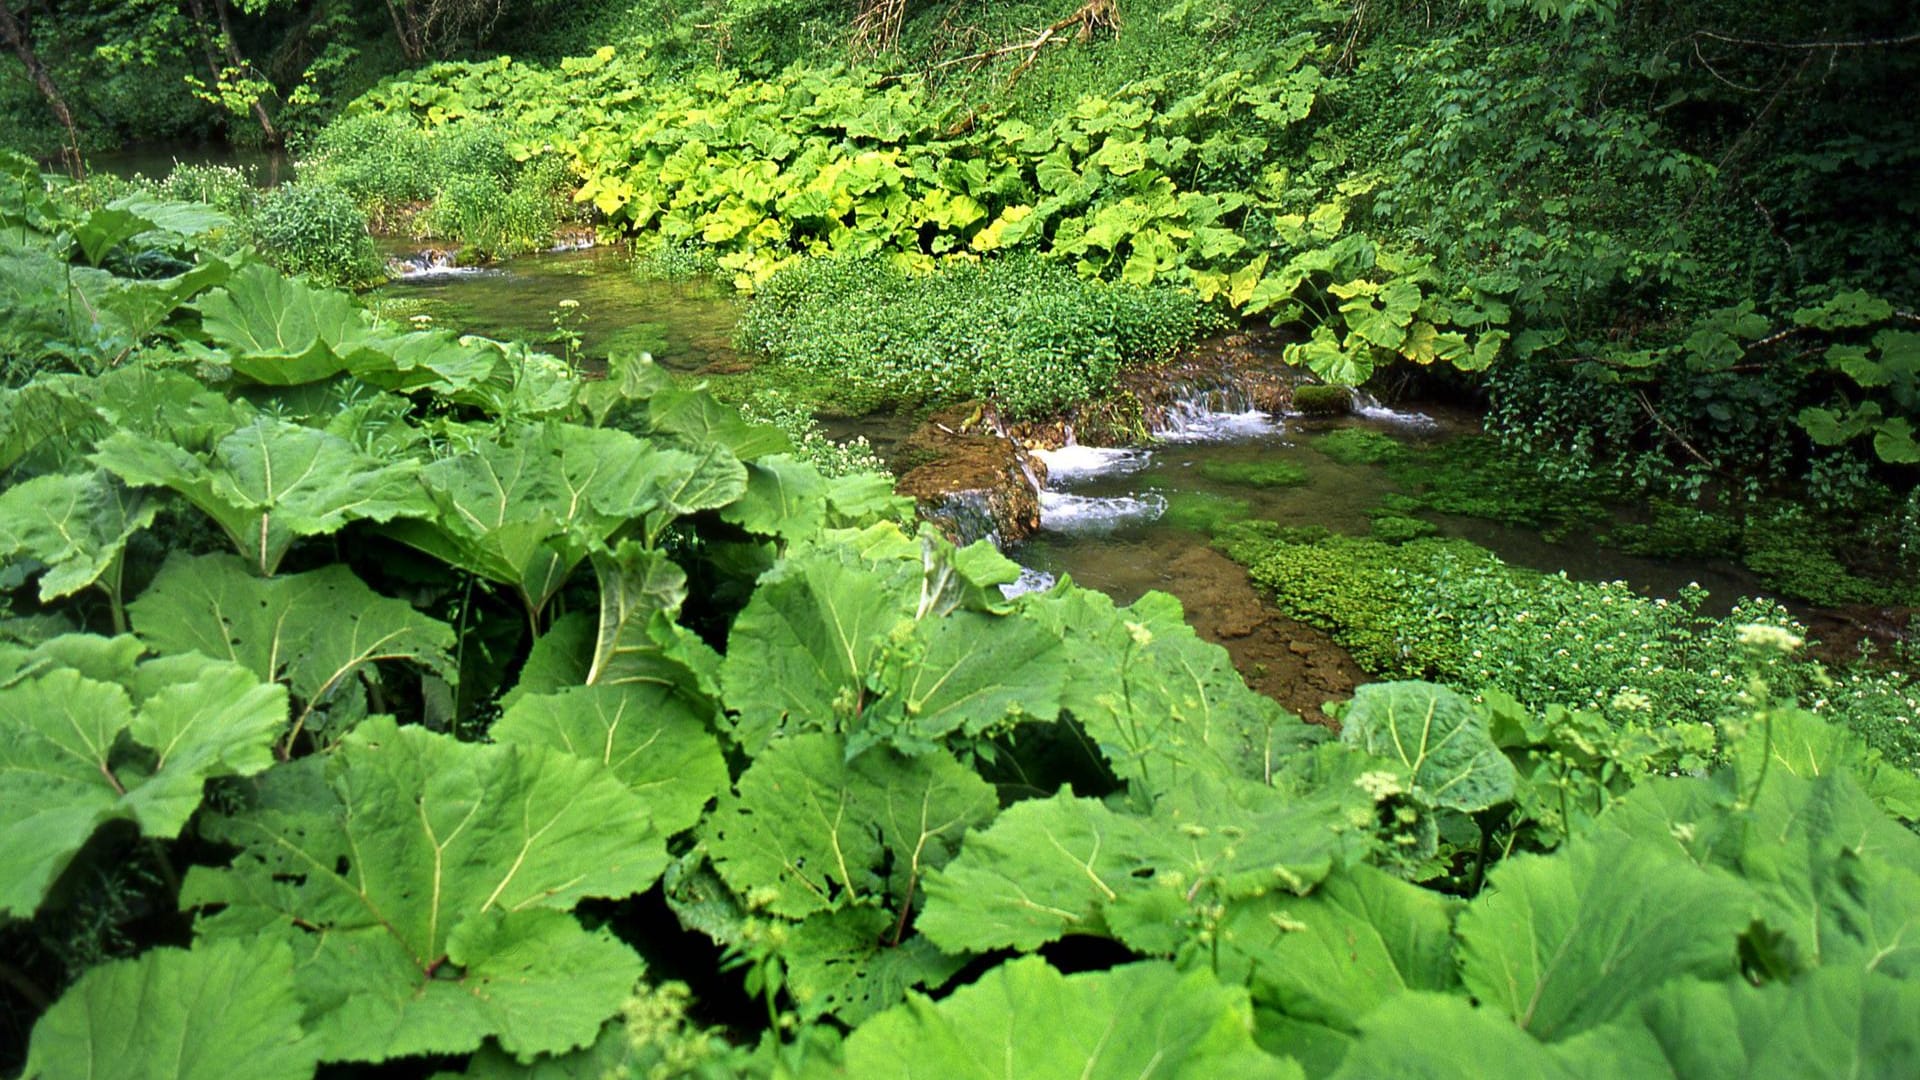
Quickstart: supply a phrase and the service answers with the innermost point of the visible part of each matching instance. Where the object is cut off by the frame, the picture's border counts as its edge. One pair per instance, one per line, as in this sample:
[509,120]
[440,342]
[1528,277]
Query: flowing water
[1123,521]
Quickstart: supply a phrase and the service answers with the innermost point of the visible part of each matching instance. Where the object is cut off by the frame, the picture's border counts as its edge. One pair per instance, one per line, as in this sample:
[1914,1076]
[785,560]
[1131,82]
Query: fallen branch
[1091,16]
[1655,416]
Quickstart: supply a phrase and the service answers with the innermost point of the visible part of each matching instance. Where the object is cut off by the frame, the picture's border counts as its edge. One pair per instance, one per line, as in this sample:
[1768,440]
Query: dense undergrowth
[376,695]
[1666,252]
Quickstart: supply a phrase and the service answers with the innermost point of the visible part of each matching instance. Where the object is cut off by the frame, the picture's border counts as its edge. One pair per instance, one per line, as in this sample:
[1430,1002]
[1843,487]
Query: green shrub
[1392,528]
[811,443]
[315,229]
[384,161]
[1255,473]
[1032,336]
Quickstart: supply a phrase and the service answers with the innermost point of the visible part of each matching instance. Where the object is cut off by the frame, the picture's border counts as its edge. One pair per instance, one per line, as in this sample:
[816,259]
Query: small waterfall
[1365,404]
[432,263]
[1030,580]
[1214,413]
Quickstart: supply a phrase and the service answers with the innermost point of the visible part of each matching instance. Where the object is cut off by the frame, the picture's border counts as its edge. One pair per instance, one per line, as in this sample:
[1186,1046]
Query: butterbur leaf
[653,739]
[1436,736]
[809,831]
[425,882]
[1051,867]
[846,964]
[312,631]
[800,653]
[224,1010]
[1046,868]
[1025,1019]
[1360,938]
[272,482]
[138,744]
[279,330]
[785,497]
[1564,943]
[77,524]
[638,641]
[1158,702]
[1833,1022]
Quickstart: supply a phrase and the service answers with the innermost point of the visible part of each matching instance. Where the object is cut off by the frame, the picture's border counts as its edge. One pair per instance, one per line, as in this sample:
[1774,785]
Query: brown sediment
[1289,661]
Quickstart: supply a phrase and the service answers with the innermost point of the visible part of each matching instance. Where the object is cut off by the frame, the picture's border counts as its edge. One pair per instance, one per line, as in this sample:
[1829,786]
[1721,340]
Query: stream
[1122,521]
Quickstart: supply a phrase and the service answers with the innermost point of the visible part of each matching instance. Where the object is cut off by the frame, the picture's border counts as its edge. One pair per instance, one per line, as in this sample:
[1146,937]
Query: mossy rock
[1255,473]
[1320,400]
[1359,446]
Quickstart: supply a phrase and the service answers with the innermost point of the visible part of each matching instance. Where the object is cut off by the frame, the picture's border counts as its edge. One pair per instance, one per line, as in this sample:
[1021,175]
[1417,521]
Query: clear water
[686,325]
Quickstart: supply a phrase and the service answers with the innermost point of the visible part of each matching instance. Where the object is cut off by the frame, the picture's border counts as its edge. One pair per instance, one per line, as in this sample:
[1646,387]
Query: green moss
[1323,400]
[1255,473]
[1360,446]
[1472,476]
[1203,511]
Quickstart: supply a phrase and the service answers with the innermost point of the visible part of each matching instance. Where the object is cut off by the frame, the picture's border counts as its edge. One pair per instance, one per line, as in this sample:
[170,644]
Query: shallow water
[685,325]
[270,168]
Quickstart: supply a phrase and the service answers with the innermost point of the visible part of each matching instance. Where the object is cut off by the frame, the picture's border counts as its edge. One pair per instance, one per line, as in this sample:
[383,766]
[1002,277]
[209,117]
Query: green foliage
[1028,336]
[314,229]
[413,853]
[1194,1027]
[223,1008]
[91,736]
[1449,610]
[875,770]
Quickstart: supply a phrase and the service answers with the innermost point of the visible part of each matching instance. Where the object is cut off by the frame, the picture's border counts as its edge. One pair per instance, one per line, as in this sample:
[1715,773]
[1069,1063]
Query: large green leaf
[83,745]
[1024,1019]
[314,631]
[807,830]
[1563,943]
[1436,737]
[424,883]
[277,330]
[849,963]
[226,1010]
[638,640]
[1360,938]
[1161,704]
[271,482]
[800,654]
[76,525]
[1051,867]
[1828,1023]
[652,738]
[525,509]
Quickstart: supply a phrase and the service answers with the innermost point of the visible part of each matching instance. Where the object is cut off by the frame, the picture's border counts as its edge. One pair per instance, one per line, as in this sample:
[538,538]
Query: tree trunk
[235,60]
[16,38]
[406,27]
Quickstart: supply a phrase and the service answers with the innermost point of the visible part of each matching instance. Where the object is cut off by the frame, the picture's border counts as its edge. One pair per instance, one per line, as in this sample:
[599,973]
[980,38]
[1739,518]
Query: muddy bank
[1291,662]
[973,480]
